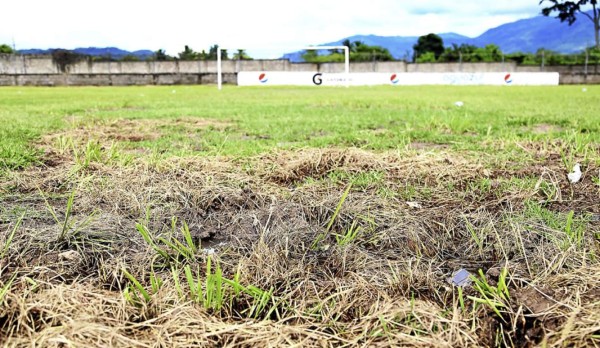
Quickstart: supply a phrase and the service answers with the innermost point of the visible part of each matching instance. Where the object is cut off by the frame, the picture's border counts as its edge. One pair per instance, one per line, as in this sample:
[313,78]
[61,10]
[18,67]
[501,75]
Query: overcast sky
[266,28]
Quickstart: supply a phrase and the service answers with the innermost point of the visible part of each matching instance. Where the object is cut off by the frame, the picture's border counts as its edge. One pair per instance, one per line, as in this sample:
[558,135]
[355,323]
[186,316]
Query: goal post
[317,48]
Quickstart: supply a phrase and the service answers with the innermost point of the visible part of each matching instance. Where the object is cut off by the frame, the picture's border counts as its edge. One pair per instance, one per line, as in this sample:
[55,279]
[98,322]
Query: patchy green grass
[262,119]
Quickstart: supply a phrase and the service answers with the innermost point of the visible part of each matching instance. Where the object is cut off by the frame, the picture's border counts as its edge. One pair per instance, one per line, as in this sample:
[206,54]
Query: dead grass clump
[107,132]
[294,167]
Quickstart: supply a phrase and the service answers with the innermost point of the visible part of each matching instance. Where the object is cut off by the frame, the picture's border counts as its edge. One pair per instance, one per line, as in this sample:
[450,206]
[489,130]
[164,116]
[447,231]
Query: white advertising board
[280,78]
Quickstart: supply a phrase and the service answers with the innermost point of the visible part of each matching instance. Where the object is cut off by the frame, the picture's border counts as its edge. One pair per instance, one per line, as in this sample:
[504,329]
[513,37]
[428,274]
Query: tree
[203,55]
[429,43]
[427,57]
[470,53]
[130,58]
[212,53]
[359,52]
[489,53]
[347,43]
[188,54]
[567,12]
[457,53]
[6,49]
[161,55]
[241,55]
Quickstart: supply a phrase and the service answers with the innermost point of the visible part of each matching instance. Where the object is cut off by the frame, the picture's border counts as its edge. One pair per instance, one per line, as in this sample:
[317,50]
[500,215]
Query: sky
[265,28]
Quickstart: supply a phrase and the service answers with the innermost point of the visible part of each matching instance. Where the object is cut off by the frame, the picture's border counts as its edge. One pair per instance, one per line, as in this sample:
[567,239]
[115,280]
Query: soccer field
[187,216]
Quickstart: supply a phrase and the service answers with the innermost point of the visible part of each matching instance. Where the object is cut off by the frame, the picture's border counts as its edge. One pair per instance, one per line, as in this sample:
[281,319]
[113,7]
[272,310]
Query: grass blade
[137,284]
[11,236]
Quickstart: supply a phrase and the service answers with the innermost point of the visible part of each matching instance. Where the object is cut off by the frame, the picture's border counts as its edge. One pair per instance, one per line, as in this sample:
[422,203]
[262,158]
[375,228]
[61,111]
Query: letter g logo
[317,80]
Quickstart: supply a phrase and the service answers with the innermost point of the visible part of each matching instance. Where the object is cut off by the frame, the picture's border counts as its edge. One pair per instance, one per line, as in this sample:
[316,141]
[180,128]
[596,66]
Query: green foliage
[567,11]
[212,53]
[359,52]
[161,55]
[241,55]
[591,55]
[131,292]
[348,236]
[492,53]
[495,297]
[568,230]
[470,53]
[213,295]
[188,54]
[6,49]
[130,58]
[427,57]
[429,43]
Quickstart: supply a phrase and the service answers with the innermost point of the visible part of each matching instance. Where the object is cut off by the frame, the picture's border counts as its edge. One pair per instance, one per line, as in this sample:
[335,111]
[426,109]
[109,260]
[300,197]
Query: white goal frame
[346,61]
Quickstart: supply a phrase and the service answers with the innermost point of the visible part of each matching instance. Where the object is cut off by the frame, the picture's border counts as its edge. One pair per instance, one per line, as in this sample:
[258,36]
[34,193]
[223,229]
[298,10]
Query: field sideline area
[185,216]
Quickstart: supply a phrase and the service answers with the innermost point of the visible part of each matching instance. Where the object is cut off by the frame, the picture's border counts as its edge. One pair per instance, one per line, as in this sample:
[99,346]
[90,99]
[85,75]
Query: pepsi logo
[263,78]
[394,79]
[508,79]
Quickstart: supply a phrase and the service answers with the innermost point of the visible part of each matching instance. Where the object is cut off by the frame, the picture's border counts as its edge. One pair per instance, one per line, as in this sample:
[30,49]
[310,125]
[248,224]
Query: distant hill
[113,52]
[529,35]
[399,46]
[526,35]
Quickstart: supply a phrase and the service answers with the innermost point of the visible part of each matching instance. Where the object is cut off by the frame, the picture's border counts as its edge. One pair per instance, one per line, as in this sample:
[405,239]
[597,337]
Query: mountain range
[112,52]
[525,35]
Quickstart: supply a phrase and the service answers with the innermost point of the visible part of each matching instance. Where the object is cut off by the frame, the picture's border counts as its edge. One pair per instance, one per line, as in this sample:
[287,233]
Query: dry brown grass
[387,287]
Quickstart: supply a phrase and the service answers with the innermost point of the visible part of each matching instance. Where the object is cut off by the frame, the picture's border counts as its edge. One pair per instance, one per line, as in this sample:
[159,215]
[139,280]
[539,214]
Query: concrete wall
[17,64]
[113,80]
[41,70]
[579,79]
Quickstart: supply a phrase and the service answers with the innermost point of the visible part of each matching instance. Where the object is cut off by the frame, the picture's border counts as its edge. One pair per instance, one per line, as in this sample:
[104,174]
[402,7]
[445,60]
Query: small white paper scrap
[575,176]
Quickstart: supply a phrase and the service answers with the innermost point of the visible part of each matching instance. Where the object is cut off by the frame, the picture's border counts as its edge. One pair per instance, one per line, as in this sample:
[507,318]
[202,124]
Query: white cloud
[274,26]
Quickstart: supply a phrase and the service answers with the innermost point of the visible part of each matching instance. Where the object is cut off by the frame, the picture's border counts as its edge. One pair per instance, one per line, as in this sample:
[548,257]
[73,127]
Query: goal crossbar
[317,48]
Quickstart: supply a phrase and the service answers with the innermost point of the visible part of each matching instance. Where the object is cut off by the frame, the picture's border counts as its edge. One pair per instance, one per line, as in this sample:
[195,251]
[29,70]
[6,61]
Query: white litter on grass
[69,255]
[173,91]
[462,277]
[459,104]
[214,249]
[575,176]
[584,89]
[209,251]
[415,205]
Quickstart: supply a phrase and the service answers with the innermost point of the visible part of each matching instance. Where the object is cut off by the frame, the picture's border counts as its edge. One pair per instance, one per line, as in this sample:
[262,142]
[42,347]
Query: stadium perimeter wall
[20,70]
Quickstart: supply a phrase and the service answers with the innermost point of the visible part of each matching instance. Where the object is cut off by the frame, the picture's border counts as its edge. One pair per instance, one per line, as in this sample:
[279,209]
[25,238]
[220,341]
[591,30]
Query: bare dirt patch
[193,122]
[128,130]
[272,222]
[417,145]
[544,128]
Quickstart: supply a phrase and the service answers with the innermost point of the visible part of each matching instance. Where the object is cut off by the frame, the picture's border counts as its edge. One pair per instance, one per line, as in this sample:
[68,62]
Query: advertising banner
[282,78]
